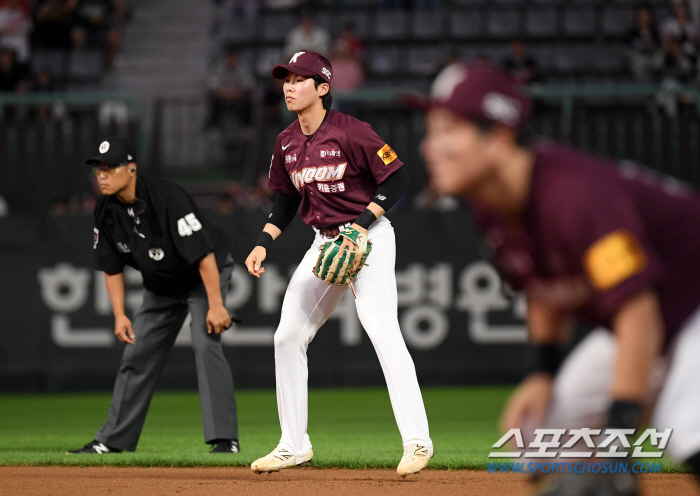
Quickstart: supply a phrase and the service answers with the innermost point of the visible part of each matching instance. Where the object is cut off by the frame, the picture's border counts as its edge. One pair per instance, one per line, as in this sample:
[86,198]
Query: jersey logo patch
[285,147]
[613,259]
[96,233]
[330,153]
[387,154]
[290,159]
[156,254]
[331,188]
[324,173]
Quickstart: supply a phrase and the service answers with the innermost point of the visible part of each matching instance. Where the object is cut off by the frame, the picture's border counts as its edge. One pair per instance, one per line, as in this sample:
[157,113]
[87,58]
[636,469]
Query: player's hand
[255,260]
[347,243]
[528,405]
[218,319]
[123,329]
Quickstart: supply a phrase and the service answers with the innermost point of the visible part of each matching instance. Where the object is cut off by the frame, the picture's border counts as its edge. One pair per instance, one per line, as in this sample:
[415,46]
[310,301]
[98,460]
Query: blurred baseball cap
[307,64]
[112,150]
[478,93]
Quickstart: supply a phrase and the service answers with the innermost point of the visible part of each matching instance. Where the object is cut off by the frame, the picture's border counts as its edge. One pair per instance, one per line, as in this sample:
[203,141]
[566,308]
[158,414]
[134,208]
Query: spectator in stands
[346,68]
[645,43]
[103,21]
[15,28]
[672,68]
[54,20]
[681,29]
[230,88]
[13,77]
[521,66]
[354,42]
[308,36]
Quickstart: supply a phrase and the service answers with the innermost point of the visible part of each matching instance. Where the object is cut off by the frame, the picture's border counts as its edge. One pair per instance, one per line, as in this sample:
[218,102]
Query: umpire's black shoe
[94,447]
[225,446]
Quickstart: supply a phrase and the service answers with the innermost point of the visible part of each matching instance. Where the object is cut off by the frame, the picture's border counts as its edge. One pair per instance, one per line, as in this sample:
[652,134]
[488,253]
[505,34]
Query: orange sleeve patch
[387,154]
[614,258]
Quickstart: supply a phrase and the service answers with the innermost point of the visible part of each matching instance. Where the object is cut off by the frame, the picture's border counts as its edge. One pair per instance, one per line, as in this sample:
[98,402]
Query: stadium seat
[426,60]
[427,24]
[239,30]
[571,58]
[55,61]
[466,25]
[580,22]
[390,24]
[542,23]
[617,22]
[544,54]
[276,26]
[328,21]
[386,60]
[504,23]
[267,58]
[609,58]
[360,19]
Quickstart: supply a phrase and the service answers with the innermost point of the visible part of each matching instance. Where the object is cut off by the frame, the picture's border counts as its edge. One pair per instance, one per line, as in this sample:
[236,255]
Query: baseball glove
[340,268]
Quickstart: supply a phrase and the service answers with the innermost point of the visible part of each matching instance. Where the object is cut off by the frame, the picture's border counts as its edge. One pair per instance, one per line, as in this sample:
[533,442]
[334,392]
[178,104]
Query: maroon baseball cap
[478,93]
[307,64]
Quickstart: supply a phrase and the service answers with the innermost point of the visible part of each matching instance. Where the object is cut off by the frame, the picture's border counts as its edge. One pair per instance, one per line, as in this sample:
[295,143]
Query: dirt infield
[113,481]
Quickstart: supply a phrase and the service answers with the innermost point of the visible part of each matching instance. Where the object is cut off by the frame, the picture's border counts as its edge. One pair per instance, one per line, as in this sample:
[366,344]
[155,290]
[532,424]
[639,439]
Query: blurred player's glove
[340,268]
[591,485]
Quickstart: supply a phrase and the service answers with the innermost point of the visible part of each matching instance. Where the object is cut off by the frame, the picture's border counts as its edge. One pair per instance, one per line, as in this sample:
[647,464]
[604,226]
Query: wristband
[543,358]
[624,414]
[264,240]
[366,218]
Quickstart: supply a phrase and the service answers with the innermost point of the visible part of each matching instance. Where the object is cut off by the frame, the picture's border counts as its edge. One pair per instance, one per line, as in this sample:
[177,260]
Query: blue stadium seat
[504,23]
[466,25]
[542,23]
[426,60]
[618,21]
[385,60]
[580,22]
[427,24]
[390,24]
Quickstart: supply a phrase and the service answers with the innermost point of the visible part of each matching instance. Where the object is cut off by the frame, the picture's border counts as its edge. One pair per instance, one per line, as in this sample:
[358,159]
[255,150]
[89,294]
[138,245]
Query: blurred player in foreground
[155,227]
[344,177]
[613,244]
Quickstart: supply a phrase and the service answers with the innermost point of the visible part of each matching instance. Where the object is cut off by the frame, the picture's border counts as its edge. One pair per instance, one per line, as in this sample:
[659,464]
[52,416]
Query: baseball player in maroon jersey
[614,244]
[342,174]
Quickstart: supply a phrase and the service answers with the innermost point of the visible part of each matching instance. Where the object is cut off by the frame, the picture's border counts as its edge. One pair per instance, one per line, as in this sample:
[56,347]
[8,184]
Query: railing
[45,138]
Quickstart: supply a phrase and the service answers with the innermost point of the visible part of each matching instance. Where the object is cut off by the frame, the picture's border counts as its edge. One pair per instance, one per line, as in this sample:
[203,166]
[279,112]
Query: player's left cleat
[415,458]
[93,448]
[225,446]
[591,485]
[280,458]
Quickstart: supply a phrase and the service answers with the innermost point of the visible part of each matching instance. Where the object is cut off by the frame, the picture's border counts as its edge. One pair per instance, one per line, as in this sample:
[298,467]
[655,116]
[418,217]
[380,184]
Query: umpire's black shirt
[161,233]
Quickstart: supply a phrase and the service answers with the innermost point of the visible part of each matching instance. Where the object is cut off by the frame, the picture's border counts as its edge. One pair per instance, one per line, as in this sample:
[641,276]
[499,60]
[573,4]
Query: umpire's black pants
[156,326]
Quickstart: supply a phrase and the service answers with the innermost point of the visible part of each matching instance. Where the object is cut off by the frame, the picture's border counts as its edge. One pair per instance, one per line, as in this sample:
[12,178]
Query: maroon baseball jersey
[336,170]
[594,233]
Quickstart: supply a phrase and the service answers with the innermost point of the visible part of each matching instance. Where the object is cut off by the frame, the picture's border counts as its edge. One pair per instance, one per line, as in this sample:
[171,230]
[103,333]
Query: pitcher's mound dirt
[114,481]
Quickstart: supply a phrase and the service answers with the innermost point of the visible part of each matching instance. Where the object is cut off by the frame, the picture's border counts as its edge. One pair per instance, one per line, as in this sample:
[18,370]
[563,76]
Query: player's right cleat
[415,458]
[95,448]
[280,458]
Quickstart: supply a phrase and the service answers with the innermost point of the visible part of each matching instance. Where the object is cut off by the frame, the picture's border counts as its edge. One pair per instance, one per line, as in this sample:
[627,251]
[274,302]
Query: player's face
[300,92]
[111,179]
[456,153]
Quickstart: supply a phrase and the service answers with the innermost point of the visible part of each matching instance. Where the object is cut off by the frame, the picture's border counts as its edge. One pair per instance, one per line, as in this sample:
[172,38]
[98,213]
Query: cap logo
[326,72]
[447,81]
[500,108]
[294,58]
[104,147]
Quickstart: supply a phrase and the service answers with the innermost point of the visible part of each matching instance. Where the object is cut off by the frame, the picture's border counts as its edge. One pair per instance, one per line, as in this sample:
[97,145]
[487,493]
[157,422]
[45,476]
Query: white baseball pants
[581,395]
[309,302]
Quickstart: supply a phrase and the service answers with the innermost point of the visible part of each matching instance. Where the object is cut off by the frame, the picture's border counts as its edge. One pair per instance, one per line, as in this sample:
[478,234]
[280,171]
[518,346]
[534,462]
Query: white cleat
[280,458]
[415,458]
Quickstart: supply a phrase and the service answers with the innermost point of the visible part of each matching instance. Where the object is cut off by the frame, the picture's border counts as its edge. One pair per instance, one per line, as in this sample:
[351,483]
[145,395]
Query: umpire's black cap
[112,150]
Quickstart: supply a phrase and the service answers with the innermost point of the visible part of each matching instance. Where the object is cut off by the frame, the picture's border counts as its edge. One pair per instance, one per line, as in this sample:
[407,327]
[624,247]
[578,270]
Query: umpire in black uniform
[154,226]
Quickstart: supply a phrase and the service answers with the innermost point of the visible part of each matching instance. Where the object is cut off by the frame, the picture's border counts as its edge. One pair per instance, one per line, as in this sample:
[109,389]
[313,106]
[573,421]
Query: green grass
[352,428]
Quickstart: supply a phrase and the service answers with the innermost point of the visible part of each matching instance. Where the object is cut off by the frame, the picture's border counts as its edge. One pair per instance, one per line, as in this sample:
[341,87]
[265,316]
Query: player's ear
[323,88]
